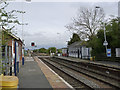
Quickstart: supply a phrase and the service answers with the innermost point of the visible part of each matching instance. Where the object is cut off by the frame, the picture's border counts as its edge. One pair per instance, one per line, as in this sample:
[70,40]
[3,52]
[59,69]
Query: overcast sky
[47,20]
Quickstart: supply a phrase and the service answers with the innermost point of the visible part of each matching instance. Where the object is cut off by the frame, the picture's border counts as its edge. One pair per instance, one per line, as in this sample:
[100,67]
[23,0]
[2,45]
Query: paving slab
[31,76]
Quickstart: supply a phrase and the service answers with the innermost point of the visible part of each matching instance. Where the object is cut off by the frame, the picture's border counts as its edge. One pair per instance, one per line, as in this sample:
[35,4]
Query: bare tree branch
[88,22]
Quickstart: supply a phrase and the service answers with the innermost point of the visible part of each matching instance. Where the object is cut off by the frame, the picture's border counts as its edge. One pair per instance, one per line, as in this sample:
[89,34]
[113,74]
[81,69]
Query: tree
[59,50]
[87,22]
[42,50]
[74,38]
[97,43]
[52,50]
[35,51]
[112,35]
[8,21]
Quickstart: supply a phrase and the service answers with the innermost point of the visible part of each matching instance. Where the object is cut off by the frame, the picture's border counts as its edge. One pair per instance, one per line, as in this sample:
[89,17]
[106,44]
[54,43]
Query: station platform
[104,63]
[35,74]
[54,79]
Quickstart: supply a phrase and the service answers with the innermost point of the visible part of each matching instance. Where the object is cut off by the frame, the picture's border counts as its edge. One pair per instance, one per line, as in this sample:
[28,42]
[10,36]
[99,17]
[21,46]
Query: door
[78,53]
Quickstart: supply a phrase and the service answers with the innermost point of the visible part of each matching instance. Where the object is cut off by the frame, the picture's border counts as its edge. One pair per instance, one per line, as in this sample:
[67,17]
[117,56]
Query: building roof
[78,43]
[65,48]
[13,36]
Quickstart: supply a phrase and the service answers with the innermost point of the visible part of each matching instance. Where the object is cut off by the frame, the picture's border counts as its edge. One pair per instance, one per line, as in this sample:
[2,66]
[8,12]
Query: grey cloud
[46,19]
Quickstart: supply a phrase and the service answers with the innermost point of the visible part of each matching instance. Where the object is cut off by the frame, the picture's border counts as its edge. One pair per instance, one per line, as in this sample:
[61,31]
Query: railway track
[109,70]
[67,75]
[89,78]
[103,77]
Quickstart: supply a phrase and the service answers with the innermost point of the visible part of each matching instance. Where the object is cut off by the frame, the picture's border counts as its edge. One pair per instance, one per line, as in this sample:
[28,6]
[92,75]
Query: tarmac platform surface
[31,76]
[35,74]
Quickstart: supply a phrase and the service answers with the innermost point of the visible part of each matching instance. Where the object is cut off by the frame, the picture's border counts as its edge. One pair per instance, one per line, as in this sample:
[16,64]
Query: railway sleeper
[93,75]
[94,71]
[88,83]
[102,69]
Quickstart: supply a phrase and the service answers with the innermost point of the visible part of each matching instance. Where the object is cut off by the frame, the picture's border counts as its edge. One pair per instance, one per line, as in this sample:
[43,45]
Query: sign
[105,43]
[108,52]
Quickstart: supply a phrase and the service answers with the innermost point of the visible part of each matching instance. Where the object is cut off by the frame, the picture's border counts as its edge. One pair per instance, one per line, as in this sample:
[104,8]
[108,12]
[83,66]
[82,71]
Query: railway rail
[104,77]
[89,78]
[114,71]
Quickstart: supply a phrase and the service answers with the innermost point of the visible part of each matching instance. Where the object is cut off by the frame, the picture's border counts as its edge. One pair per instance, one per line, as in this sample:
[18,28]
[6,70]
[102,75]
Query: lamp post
[22,33]
[22,38]
[105,43]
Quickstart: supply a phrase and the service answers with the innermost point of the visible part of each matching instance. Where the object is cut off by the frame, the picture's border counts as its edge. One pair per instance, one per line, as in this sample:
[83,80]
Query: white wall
[117,52]
[73,52]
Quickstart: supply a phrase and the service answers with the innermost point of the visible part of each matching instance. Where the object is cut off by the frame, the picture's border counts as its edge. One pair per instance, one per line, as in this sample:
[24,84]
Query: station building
[79,50]
[12,53]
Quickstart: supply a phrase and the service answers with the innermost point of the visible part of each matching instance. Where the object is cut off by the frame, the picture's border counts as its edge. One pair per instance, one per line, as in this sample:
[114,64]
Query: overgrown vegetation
[74,38]
[8,21]
[48,51]
[91,30]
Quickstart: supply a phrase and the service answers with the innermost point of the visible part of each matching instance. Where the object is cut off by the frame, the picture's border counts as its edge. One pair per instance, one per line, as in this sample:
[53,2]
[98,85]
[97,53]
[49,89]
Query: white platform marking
[58,75]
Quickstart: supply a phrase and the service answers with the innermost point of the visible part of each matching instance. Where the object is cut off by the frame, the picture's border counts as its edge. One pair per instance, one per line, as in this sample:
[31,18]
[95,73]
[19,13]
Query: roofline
[15,37]
[65,48]
[73,44]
